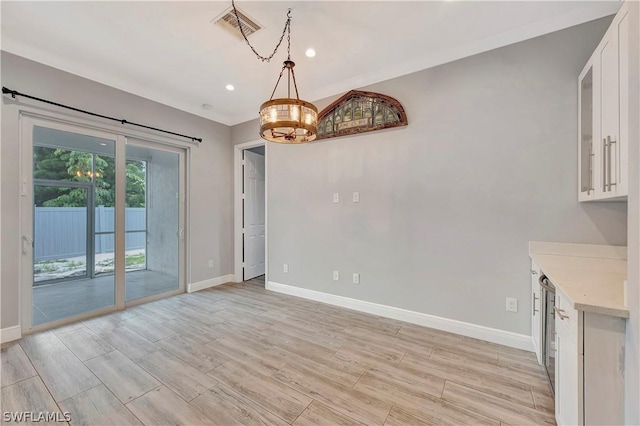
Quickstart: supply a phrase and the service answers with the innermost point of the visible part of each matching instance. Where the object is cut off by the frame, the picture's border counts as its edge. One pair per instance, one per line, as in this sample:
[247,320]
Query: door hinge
[243,162]
[243,230]
[244,264]
[243,196]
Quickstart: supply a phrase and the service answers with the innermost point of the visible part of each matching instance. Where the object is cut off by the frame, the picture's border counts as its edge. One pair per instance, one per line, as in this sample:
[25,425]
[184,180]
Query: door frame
[28,116]
[238,177]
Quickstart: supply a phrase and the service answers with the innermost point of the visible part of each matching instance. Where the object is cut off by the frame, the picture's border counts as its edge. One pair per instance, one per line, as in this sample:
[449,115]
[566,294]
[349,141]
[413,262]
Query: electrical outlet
[336,197]
[211,263]
[336,275]
[356,278]
[356,197]
[512,304]
[285,268]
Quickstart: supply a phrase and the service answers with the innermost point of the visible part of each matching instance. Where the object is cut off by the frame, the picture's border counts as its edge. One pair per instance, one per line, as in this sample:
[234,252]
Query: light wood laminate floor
[237,354]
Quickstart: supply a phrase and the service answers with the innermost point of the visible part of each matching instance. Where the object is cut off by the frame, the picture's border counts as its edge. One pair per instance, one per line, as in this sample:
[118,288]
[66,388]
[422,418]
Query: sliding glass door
[73,180]
[153,185]
[103,222]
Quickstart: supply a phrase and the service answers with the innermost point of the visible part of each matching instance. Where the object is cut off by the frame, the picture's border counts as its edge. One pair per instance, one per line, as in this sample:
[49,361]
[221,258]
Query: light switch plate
[356,278]
[285,268]
[336,275]
[512,304]
[336,197]
[356,197]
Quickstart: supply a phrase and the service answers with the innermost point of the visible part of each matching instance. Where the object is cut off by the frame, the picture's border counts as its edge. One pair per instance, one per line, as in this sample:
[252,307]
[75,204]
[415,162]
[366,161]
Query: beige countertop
[591,276]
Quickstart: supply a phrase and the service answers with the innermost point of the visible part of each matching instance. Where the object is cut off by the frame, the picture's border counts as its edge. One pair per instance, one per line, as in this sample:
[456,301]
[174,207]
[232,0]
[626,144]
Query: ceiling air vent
[228,21]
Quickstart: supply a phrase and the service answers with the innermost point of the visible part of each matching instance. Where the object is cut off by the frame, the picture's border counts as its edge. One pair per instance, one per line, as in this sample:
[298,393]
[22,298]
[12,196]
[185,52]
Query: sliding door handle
[27,243]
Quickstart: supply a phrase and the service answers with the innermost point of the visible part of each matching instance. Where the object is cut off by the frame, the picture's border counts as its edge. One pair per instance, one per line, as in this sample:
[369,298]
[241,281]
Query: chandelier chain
[295,85]
[288,35]
[277,82]
[286,29]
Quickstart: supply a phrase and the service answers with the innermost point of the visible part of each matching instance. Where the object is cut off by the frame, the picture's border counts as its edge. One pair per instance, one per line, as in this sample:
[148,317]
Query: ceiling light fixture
[285,120]
[230,87]
[310,53]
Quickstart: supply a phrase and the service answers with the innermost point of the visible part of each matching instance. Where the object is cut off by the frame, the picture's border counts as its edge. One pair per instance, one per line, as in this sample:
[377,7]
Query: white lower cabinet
[589,366]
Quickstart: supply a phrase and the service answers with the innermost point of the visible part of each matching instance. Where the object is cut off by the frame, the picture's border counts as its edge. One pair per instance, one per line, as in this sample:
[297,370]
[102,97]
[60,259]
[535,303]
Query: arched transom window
[359,112]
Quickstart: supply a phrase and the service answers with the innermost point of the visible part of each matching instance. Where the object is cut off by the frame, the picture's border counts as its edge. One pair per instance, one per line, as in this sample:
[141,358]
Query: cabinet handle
[533,272]
[560,313]
[610,142]
[604,165]
[591,157]
[534,304]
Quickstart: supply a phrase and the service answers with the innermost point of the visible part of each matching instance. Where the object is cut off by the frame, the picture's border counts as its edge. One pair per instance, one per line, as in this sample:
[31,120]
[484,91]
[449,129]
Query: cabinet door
[621,156]
[609,113]
[604,346]
[586,127]
[536,311]
[567,386]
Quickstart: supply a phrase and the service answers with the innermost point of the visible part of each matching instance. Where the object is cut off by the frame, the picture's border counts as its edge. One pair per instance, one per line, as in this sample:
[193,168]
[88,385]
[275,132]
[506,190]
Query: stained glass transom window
[359,112]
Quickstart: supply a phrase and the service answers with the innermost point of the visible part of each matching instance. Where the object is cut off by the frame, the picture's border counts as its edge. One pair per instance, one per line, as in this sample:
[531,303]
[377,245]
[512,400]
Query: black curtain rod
[15,93]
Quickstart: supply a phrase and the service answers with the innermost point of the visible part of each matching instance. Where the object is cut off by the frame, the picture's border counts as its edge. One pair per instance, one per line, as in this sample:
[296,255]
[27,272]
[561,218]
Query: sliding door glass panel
[60,234]
[74,189]
[152,222]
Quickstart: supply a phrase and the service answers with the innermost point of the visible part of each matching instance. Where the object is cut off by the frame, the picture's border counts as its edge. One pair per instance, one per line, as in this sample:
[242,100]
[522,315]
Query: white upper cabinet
[603,116]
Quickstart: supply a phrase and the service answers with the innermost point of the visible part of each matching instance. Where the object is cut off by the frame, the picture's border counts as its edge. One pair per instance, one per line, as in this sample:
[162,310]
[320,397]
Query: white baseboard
[494,335]
[10,334]
[212,282]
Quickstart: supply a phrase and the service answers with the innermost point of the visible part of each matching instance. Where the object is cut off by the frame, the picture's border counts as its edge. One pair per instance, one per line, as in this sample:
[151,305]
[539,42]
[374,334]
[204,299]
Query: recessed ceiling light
[230,87]
[206,106]
[310,53]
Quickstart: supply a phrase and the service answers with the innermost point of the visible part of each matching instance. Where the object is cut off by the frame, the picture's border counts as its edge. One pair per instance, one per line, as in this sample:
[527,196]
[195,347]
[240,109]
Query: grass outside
[61,268]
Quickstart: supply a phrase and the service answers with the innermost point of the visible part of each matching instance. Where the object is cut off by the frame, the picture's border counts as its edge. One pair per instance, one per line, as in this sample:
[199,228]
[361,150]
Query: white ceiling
[169,52]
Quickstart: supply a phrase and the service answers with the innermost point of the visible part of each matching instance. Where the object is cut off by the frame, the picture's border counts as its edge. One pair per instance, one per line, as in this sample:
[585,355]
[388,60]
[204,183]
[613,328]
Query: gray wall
[449,203]
[632,352]
[211,174]
[162,213]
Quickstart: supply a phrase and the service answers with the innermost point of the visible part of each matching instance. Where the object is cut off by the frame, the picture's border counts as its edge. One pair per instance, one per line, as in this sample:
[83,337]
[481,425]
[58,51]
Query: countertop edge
[614,311]
[604,310]
[578,250]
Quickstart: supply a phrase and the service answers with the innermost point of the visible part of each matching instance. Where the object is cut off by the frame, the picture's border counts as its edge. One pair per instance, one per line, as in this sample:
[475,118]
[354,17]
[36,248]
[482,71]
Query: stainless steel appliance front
[549,328]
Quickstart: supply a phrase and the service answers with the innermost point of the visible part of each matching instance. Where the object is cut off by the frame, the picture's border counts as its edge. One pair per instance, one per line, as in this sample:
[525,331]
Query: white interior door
[254,215]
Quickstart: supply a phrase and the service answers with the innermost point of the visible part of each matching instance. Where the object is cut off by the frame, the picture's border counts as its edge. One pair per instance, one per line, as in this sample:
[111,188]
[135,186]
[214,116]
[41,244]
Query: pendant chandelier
[285,120]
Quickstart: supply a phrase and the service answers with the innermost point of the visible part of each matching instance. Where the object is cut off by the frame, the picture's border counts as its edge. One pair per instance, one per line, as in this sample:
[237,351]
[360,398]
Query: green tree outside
[74,166]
